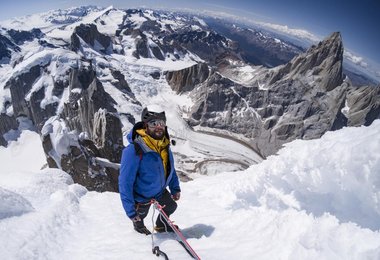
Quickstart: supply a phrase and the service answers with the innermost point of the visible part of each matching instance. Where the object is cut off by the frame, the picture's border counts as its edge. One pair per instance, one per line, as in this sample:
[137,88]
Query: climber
[147,169]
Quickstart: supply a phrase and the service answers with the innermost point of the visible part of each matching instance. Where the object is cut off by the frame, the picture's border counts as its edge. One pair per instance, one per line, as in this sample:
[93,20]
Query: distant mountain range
[82,75]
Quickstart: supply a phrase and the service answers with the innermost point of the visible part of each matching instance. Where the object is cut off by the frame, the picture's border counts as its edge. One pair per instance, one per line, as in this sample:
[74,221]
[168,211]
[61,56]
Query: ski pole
[155,249]
[180,236]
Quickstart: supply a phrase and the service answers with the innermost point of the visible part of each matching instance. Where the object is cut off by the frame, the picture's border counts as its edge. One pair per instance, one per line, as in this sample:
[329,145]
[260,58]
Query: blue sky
[356,20]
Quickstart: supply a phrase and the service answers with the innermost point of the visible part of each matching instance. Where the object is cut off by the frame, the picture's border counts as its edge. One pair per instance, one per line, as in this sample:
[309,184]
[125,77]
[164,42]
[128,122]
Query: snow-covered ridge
[316,200]
[50,19]
[57,63]
[63,59]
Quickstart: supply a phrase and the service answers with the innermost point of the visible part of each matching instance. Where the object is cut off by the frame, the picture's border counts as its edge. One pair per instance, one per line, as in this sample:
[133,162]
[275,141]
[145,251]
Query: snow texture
[316,199]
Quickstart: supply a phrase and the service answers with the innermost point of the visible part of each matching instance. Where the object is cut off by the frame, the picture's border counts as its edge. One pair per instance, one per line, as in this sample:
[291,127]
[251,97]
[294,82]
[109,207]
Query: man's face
[156,129]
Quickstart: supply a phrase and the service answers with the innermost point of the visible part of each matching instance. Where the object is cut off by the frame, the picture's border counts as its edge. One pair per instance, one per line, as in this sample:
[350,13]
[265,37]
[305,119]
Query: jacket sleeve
[128,172]
[174,182]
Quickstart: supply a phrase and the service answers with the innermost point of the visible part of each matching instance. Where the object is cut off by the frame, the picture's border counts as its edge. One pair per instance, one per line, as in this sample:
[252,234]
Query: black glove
[139,226]
[136,219]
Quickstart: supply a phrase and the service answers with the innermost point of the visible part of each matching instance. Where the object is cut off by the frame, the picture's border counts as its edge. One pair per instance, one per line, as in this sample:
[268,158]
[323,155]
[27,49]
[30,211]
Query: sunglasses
[156,123]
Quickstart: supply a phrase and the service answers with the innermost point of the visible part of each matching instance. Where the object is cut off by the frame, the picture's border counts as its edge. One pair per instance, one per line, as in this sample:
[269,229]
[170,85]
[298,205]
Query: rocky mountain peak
[324,61]
[6,49]
[19,37]
[302,99]
[90,34]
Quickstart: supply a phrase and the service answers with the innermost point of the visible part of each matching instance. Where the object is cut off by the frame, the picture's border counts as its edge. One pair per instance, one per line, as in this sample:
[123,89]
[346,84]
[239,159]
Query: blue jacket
[142,176]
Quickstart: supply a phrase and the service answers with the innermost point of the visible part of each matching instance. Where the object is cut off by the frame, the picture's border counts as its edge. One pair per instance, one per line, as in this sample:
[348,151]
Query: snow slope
[317,199]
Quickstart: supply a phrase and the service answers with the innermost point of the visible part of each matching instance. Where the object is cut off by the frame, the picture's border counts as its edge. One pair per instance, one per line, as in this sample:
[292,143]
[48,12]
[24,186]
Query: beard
[157,134]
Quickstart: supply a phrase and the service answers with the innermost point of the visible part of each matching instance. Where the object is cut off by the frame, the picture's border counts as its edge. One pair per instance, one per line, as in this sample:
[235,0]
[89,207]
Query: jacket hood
[132,134]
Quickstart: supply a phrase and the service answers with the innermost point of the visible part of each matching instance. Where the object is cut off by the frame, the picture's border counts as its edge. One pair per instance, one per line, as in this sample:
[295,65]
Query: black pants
[166,201]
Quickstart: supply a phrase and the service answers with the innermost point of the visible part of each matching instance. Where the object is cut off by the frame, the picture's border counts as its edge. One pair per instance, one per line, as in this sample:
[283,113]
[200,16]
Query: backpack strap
[138,150]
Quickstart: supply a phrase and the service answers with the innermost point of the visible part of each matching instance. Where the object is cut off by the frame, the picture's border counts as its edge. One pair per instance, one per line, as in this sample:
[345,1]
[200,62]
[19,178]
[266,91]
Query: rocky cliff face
[11,39]
[90,35]
[90,112]
[301,99]
[82,135]
[20,37]
[185,80]
[7,123]
[362,105]
[6,49]
[323,61]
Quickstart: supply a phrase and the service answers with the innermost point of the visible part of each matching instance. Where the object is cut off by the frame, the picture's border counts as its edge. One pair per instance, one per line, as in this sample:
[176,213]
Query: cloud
[355,59]
[299,33]
[232,11]
[364,65]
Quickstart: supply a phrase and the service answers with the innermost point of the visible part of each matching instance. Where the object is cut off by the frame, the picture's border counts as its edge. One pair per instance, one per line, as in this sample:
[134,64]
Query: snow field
[308,202]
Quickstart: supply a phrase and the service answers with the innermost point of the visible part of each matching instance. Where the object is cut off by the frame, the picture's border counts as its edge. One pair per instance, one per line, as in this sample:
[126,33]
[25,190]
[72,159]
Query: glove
[136,219]
[176,196]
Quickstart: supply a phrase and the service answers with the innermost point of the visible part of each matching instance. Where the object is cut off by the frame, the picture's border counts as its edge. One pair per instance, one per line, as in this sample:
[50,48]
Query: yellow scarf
[159,146]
